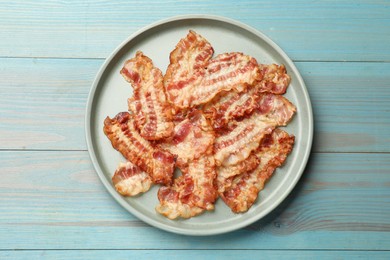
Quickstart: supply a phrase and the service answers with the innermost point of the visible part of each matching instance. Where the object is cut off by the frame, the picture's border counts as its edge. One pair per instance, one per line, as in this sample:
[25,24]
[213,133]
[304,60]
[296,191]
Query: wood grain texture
[306,30]
[55,201]
[189,254]
[45,108]
[351,105]
[43,102]
[52,204]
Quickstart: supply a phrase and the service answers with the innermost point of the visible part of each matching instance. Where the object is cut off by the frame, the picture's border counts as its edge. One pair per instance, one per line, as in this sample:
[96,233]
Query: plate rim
[157,224]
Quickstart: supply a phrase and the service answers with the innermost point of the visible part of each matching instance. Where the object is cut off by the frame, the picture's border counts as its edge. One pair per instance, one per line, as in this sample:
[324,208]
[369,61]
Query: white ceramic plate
[109,94]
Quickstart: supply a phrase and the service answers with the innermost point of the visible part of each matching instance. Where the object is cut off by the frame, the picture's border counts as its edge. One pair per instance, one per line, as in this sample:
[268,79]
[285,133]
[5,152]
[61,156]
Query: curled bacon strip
[192,193]
[122,133]
[187,66]
[236,145]
[130,180]
[193,79]
[149,105]
[244,188]
[275,80]
[225,174]
[229,71]
[275,108]
[229,106]
[191,139]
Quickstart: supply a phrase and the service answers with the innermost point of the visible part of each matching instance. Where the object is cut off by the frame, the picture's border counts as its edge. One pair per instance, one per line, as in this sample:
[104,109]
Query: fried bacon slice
[189,58]
[228,71]
[124,137]
[152,112]
[275,108]
[244,188]
[236,145]
[275,79]
[225,174]
[193,79]
[229,106]
[187,65]
[192,193]
[130,180]
[191,139]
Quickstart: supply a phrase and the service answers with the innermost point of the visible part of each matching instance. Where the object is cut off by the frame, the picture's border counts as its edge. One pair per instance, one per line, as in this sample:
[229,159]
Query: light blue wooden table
[52,204]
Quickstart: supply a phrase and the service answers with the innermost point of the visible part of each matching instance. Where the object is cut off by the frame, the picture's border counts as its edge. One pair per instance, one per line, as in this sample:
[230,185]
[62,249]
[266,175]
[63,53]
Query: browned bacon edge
[192,193]
[149,105]
[244,136]
[191,139]
[122,133]
[130,180]
[244,188]
[225,174]
[275,79]
[230,105]
[193,79]
[275,108]
[228,71]
[187,62]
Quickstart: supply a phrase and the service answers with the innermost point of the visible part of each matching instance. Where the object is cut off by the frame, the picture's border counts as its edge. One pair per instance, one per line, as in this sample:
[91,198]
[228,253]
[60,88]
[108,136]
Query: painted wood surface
[52,203]
[60,202]
[306,30]
[188,254]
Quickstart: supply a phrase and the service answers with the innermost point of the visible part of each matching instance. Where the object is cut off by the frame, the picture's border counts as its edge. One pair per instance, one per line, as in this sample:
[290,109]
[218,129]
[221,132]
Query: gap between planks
[201,249]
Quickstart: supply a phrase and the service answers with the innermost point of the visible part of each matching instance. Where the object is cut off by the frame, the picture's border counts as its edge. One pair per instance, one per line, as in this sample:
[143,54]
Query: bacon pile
[214,118]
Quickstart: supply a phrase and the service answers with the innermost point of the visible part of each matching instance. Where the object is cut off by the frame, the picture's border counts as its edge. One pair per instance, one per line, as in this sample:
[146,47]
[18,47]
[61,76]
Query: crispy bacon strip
[275,79]
[236,145]
[275,108]
[149,105]
[225,174]
[130,180]
[244,188]
[229,106]
[191,139]
[187,65]
[193,79]
[190,57]
[122,133]
[192,193]
[228,71]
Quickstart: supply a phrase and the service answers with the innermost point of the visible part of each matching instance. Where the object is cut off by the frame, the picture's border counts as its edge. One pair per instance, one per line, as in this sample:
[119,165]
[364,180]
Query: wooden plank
[45,107]
[306,31]
[187,254]
[350,105]
[54,200]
